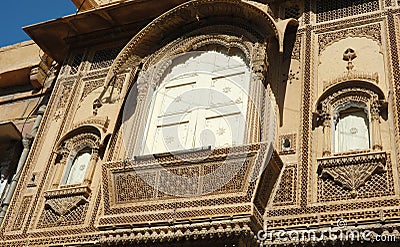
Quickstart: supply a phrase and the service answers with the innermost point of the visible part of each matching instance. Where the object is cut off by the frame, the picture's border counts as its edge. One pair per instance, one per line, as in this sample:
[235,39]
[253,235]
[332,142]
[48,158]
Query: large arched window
[201,101]
[351,129]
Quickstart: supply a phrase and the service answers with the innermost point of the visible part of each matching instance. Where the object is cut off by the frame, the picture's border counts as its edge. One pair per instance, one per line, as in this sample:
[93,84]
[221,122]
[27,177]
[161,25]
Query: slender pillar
[375,122]
[327,125]
[59,168]
[91,167]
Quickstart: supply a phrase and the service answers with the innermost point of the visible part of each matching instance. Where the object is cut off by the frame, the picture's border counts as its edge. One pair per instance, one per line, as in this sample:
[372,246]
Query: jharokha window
[200,102]
[351,129]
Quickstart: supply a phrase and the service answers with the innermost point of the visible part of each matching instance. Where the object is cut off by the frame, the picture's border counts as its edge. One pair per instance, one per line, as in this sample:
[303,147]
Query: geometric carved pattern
[330,10]
[104,58]
[75,63]
[130,187]
[286,192]
[91,86]
[21,214]
[63,206]
[292,11]
[63,99]
[64,211]
[361,176]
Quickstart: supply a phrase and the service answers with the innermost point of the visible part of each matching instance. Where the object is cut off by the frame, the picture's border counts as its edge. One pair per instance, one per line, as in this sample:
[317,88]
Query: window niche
[351,121]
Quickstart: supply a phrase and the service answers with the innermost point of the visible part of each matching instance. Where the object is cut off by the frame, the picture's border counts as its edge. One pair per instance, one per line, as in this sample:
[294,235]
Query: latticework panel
[104,58]
[292,12]
[332,10]
[286,193]
[75,63]
[20,217]
[75,216]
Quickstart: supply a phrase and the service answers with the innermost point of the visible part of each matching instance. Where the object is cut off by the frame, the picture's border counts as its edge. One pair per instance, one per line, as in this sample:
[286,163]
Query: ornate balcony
[233,183]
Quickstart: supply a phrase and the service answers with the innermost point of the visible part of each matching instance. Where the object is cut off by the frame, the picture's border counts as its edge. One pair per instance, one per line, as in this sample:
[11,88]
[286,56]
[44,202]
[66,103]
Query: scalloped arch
[189,13]
[86,129]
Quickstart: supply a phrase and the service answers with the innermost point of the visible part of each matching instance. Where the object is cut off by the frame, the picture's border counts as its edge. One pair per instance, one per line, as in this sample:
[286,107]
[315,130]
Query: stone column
[375,129]
[327,129]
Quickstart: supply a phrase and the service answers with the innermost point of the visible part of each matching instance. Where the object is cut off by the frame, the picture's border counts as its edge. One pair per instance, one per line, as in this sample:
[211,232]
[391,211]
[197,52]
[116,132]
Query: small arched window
[77,166]
[351,130]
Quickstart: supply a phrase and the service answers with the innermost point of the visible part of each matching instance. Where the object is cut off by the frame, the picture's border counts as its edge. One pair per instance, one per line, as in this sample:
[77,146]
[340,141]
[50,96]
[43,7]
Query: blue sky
[15,14]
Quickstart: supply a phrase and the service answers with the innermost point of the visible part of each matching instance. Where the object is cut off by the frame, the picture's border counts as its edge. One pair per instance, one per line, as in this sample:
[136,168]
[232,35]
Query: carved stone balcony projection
[149,190]
[352,171]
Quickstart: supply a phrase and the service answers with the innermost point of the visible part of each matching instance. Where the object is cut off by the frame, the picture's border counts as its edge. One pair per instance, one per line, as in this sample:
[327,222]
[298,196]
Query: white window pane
[78,168]
[352,131]
[208,85]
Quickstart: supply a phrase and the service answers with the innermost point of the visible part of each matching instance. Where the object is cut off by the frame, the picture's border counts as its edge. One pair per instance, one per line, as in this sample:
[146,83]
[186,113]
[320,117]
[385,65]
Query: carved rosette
[353,171]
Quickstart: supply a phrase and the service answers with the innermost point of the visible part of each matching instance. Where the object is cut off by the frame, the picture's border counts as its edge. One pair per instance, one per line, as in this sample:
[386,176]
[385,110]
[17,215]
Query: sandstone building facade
[194,123]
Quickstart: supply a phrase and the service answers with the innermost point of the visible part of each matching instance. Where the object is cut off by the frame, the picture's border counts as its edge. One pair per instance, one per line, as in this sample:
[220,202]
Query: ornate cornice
[67,191]
[218,230]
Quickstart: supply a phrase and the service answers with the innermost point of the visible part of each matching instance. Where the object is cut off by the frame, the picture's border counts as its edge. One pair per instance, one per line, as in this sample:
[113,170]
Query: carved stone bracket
[352,171]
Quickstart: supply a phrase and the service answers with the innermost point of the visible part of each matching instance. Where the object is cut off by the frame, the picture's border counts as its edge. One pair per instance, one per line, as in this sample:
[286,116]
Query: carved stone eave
[352,171]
